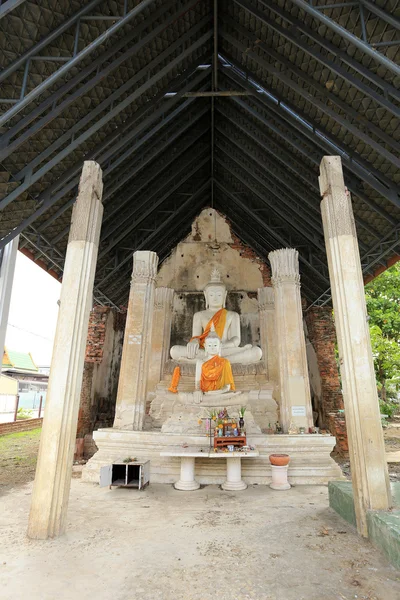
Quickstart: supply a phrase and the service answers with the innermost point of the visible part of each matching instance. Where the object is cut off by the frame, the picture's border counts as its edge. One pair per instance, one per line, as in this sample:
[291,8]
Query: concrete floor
[163,544]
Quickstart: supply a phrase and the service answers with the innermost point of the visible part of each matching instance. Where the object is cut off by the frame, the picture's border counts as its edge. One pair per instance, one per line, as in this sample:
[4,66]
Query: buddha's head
[212,343]
[215,291]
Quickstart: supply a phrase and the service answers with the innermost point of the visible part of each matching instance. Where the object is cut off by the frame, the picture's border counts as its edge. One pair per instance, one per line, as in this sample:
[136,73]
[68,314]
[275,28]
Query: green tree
[386,353]
[383,302]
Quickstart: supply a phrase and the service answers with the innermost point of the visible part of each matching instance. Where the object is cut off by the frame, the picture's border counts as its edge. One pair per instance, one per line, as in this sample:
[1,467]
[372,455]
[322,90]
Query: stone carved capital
[144,266]
[285,266]
[163,298]
[266,298]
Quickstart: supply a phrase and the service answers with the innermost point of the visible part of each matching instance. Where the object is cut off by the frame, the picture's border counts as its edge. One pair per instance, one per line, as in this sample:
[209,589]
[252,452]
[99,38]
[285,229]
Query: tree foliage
[383,305]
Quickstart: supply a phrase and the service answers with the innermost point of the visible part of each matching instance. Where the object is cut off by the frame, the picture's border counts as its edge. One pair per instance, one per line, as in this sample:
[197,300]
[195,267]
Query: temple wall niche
[187,270]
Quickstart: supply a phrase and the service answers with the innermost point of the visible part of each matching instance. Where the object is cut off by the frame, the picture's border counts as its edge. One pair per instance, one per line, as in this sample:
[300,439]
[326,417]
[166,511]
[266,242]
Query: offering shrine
[213,332]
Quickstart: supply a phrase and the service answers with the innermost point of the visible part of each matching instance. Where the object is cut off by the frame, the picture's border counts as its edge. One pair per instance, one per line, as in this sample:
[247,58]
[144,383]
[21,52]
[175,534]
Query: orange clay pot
[279,460]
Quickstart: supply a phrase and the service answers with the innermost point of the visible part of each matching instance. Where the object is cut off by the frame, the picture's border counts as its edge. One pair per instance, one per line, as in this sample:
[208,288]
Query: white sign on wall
[298,411]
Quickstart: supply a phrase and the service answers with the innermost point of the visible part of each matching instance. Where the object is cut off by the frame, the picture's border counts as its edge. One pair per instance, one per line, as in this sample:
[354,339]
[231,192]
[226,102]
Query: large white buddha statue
[227,327]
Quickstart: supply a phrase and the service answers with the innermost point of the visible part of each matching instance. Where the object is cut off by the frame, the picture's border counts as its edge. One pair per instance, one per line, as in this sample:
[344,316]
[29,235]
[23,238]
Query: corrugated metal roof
[84,80]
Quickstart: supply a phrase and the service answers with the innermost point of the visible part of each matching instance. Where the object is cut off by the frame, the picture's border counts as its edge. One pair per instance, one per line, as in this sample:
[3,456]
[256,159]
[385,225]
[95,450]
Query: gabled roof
[128,84]
[18,361]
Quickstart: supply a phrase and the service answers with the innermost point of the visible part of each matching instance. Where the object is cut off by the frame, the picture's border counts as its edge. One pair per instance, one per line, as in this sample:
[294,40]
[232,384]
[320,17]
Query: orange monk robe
[175,380]
[219,320]
[215,374]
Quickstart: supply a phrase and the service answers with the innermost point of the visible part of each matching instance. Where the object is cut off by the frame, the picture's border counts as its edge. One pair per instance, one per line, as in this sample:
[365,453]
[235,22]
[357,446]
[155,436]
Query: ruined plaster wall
[100,376]
[188,269]
[324,375]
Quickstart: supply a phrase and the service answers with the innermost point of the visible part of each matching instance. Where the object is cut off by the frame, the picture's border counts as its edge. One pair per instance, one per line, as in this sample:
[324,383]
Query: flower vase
[241,423]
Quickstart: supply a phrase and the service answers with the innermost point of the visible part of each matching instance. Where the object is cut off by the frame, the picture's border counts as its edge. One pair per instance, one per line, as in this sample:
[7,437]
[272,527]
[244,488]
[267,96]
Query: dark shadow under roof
[113,81]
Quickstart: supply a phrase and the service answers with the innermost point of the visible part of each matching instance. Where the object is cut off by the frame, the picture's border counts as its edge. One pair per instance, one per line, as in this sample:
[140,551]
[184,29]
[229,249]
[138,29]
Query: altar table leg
[233,481]
[187,481]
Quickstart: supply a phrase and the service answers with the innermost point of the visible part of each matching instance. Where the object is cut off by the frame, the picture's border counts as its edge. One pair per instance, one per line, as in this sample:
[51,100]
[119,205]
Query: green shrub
[388,408]
[24,413]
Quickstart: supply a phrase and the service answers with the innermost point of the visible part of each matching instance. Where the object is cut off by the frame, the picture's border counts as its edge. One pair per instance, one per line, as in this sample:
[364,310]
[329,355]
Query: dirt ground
[162,544]
[169,545]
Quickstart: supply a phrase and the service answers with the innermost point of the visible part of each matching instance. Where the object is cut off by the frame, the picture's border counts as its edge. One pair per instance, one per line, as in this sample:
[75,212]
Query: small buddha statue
[227,327]
[213,372]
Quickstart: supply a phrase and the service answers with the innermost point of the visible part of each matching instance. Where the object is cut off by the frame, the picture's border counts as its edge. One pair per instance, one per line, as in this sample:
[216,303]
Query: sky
[33,311]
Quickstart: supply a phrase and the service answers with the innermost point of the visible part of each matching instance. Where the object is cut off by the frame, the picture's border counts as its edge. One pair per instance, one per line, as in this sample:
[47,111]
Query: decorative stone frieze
[285,266]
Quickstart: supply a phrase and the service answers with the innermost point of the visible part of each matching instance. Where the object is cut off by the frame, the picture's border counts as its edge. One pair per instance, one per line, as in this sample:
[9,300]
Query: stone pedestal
[367,452]
[187,482]
[54,468]
[132,387]
[279,478]
[161,335]
[234,482]
[294,386]
[266,302]
[7,269]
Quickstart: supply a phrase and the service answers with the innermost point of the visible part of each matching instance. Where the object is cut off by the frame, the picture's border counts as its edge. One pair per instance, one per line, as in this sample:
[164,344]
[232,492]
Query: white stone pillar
[7,269]
[294,386]
[371,488]
[266,303]
[57,443]
[161,334]
[132,387]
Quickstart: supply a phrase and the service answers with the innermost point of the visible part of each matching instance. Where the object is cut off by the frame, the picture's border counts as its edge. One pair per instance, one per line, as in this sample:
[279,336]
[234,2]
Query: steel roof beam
[322,142]
[120,182]
[9,5]
[354,161]
[293,35]
[140,218]
[166,223]
[184,172]
[299,227]
[53,100]
[160,147]
[165,241]
[260,249]
[276,235]
[379,12]
[313,98]
[75,60]
[145,183]
[346,35]
[46,198]
[71,137]
[292,184]
[48,252]
[11,68]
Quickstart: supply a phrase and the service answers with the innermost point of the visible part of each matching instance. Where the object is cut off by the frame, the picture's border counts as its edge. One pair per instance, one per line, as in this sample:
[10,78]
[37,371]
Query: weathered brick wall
[96,334]
[100,375]
[22,425]
[247,252]
[322,335]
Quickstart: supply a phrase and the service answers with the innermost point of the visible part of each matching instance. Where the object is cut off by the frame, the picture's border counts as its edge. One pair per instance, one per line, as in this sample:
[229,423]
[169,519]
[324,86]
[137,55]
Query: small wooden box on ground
[135,474]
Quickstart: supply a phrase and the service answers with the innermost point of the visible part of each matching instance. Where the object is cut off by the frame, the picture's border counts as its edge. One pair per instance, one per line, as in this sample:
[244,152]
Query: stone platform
[310,462]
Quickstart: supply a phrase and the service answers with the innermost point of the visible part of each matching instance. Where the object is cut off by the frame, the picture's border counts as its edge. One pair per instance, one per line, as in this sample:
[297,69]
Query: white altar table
[187,481]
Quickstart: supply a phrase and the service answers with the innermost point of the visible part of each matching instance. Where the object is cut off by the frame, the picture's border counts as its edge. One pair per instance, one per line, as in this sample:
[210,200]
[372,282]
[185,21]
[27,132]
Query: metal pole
[40,406]
[16,407]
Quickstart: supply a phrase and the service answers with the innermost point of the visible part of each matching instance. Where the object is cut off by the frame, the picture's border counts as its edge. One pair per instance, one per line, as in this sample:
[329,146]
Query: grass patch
[18,456]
